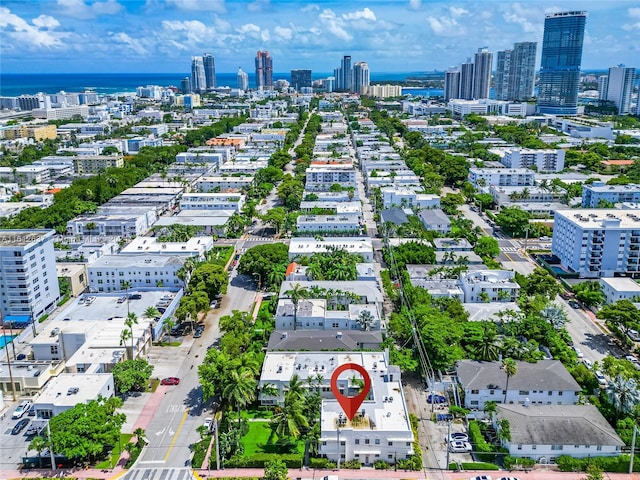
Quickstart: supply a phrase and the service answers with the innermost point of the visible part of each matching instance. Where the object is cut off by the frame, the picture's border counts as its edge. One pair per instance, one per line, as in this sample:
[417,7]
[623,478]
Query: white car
[481,477]
[21,409]
[587,363]
[601,378]
[208,423]
[578,352]
[459,447]
[458,437]
[507,478]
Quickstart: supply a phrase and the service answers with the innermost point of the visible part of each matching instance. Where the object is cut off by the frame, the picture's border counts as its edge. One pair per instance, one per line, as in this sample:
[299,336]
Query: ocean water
[15,84]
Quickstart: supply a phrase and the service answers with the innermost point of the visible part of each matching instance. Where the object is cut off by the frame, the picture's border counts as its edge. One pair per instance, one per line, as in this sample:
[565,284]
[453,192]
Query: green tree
[510,368]
[132,375]
[589,293]
[296,293]
[623,393]
[513,221]
[209,278]
[275,469]
[261,259]
[487,247]
[538,282]
[39,443]
[151,312]
[275,217]
[594,472]
[241,389]
[623,314]
[130,321]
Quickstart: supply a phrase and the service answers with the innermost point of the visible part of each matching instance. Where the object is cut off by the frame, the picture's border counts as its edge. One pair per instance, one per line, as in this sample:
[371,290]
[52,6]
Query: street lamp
[259,279]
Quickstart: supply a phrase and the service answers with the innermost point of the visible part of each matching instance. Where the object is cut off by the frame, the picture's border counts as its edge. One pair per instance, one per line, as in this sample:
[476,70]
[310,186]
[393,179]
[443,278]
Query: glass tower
[561,59]
[209,70]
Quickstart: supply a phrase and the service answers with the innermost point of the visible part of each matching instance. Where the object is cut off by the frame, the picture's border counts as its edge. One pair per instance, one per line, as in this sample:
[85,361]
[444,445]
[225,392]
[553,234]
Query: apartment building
[407,197]
[328,223]
[28,278]
[489,286]
[109,272]
[320,178]
[307,246]
[96,164]
[212,201]
[599,191]
[485,177]
[120,225]
[214,183]
[542,160]
[598,242]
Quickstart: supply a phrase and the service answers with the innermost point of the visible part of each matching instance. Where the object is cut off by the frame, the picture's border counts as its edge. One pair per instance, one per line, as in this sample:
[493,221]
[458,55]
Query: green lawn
[115,453]
[256,412]
[258,436]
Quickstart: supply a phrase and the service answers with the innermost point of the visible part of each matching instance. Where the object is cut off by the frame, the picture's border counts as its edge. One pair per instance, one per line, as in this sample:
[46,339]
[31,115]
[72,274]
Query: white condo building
[320,178]
[380,430]
[212,201]
[485,177]
[28,277]
[598,242]
[542,160]
[109,272]
[597,191]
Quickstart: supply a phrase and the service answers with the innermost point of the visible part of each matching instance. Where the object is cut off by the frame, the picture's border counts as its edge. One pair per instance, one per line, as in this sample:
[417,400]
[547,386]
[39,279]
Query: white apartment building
[67,390]
[116,225]
[543,160]
[223,183]
[194,247]
[598,242]
[620,288]
[320,178]
[215,158]
[381,429]
[328,223]
[407,197]
[597,191]
[96,164]
[307,246]
[26,174]
[545,382]
[249,168]
[485,106]
[583,128]
[485,177]
[108,272]
[212,201]
[320,314]
[489,286]
[28,277]
[529,194]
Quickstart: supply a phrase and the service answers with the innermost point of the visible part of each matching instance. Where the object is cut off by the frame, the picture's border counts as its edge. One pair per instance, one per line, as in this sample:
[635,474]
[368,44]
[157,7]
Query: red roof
[291,268]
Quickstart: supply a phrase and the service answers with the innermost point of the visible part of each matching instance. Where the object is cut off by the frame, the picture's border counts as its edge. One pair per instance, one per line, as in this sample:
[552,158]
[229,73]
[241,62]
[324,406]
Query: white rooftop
[621,284]
[594,217]
[58,390]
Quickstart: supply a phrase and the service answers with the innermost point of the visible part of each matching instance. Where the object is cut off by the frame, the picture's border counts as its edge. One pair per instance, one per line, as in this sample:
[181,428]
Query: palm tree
[295,389]
[168,326]
[554,315]
[488,349]
[151,312]
[130,321]
[504,430]
[124,336]
[296,293]
[39,443]
[277,274]
[269,390]
[241,389]
[624,394]
[126,285]
[139,433]
[290,419]
[510,368]
[366,320]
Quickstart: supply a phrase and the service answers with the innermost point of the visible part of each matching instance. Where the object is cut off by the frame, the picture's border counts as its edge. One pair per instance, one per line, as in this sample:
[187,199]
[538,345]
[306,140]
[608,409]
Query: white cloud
[443,26]
[360,14]
[133,43]
[528,19]
[334,24]
[415,4]
[458,12]
[258,5]
[265,36]
[284,33]
[79,9]
[312,7]
[38,34]
[248,28]
[222,25]
[634,12]
[199,5]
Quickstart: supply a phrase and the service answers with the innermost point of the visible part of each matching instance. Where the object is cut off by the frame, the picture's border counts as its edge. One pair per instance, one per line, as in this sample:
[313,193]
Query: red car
[170,381]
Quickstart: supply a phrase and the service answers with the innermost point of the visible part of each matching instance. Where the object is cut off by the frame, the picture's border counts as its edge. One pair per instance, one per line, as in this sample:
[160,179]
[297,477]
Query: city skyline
[391,36]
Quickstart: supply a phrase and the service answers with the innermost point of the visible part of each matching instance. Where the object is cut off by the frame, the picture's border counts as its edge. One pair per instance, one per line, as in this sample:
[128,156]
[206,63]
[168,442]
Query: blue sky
[40,36]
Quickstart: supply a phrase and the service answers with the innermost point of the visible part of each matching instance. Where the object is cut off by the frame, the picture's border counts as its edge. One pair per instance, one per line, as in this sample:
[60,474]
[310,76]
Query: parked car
[459,447]
[574,304]
[32,410]
[634,335]
[170,381]
[21,356]
[34,429]
[601,378]
[435,398]
[578,352]
[507,478]
[21,409]
[587,363]
[458,437]
[198,333]
[481,477]
[208,423]
[19,426]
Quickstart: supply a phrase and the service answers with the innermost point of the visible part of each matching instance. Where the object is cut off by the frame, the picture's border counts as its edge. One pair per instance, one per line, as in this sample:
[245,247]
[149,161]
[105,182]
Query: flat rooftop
[597,217]
[21,238]
[129,260]
[58,390]
[621,284]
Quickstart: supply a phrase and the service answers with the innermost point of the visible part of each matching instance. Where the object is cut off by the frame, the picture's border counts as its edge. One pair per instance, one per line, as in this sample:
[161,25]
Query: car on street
[21,409]
[578,352]
[601,378]
[459,447]
[198,333]
[19,426]
[21,356]
[435,398]
[170,381]
[587,363]
[508,478]
[208,423]
[458,437]
[574,304]
[481,477]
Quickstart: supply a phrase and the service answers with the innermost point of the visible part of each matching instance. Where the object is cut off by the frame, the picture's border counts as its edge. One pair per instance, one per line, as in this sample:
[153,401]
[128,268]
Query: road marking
[173,442]
[176,408]
[161,431]
[152,461]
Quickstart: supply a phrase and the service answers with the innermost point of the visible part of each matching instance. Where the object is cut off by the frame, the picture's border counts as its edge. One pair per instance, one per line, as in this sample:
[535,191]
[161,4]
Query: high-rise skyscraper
[264,70]
[345,68]
[300,79]
[360,77]
[242,79]
[515,72]
[561,59]
[185,85]
[452,84]
[466,80]
[482,73]
[198,78]
[209,71]
[603,83]
[620,87]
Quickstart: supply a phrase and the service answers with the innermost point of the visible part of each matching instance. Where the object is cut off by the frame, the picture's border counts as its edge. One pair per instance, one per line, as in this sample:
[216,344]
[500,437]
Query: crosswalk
[509,249]
[159,474]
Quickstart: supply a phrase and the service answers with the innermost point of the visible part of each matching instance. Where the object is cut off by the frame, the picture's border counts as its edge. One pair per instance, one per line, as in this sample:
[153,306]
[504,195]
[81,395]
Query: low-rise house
[332,314]
[435,219]
[545,432]
[212,201]
[307,246]
[546,382]
[489,286]
[67,390]
[619,288]
[407,197]
[346,223]
[109,272]
[452,244]
[397,216]
[323,340]
[28,377]
[194,247]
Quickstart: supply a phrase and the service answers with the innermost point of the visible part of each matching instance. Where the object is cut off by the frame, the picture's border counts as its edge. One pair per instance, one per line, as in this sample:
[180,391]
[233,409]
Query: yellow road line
[508,256]
[175,437]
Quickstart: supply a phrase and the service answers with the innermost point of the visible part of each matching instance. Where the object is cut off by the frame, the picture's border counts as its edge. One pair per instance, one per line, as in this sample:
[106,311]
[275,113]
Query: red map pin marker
[350,405]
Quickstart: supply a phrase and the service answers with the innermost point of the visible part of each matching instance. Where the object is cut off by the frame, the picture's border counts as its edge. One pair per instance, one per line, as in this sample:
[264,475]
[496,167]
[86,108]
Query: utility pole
[633,447]
[338,448]
[53,459]
[448,445]
[6,349]
[215,426]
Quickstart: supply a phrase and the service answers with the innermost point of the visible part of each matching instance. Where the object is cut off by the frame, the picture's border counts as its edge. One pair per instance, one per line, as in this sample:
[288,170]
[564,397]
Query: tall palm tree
[126,285]
[130,321]
[151,312]
[39,443]
[290,419]
[277,274]
[366,320]
[624,394]
[510,369]
[296,293]
[296,388]
[140,434]
[241,389]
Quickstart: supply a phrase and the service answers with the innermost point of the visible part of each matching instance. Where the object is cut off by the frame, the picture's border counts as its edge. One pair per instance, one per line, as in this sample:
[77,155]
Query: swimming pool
[5,339]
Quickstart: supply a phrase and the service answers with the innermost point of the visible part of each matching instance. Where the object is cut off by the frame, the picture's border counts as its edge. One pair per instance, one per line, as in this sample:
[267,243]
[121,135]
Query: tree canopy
[132,375]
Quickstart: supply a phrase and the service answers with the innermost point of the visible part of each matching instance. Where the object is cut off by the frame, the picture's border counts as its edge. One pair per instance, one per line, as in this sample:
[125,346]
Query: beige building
[96,164]
[29,376]
[37,132]
[76,273]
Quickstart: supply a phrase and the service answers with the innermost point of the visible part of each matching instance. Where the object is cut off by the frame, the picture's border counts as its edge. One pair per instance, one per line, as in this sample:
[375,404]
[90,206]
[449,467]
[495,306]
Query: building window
[523,392]
[367,441]
[474,402]
[390,444]
[54,349]
[475,392]
[599,448]
[520,447]
[357,441]
[556,447]
[377,441]
[560,393]
[550,392]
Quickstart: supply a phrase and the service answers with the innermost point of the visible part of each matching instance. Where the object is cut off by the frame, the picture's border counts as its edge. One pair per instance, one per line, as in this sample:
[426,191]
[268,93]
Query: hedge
[479,466]
[619,464]
[321,463]
[481,448]
[291,460]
